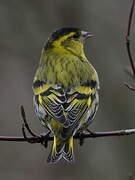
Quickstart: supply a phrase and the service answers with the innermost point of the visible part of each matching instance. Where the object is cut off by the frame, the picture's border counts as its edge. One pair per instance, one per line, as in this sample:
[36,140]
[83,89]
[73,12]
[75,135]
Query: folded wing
[51,98]
[79,102]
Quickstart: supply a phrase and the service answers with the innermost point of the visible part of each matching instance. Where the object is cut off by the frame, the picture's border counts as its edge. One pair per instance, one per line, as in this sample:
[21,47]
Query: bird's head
[68,38]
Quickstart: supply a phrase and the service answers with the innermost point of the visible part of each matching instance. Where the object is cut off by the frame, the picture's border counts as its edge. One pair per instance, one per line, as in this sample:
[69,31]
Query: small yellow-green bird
[65,89]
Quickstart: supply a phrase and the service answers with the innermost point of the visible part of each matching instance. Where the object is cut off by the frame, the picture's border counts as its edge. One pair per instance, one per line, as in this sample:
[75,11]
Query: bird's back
[67,70]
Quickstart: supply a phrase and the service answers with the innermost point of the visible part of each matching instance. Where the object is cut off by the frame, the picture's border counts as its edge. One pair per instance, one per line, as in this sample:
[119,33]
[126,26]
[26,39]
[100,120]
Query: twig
[129,87]
[39,139]
[25,122]
[128,37]
[128,43]
[45,138]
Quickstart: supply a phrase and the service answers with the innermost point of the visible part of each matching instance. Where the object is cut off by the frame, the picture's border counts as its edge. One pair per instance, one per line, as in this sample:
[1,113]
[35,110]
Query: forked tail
[61,149]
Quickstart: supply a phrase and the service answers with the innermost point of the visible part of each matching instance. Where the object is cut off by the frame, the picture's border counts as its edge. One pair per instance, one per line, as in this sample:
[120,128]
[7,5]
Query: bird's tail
[61,149]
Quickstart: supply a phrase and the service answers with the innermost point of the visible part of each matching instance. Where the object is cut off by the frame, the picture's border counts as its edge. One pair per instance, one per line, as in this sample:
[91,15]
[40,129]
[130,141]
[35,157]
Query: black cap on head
[59,33]
[77,34]
[63,31]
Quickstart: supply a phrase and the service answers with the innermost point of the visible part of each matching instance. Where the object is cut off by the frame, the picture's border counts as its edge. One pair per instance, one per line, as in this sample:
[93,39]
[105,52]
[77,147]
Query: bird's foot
[80,134]
[44,138]
[90,132]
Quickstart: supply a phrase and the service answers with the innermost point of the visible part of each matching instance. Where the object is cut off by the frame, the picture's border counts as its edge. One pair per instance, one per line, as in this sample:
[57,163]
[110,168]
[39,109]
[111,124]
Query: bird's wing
[79,102]
[51,98]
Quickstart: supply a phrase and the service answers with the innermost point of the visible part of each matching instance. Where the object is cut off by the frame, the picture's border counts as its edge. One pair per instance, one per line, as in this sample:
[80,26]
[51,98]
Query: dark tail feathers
[61,149]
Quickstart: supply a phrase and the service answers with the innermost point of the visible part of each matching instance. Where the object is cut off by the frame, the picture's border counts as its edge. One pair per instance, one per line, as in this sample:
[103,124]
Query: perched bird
[65,89]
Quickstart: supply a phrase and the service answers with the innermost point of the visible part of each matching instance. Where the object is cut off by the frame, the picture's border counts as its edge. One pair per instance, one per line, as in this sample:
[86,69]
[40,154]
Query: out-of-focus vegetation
[24,27]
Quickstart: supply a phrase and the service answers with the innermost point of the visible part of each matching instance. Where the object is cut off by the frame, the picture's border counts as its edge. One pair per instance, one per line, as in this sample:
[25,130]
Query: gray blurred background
[24,27]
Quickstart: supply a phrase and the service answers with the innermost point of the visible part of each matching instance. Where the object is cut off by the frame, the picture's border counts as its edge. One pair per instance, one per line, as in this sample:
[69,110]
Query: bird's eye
[76,35]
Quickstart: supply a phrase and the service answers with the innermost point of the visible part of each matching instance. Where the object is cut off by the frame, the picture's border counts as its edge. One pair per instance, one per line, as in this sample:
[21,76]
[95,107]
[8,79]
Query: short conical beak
[86,34]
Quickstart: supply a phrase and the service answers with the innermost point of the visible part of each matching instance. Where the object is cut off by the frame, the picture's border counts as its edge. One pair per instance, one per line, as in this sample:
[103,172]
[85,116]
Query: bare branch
[40,138]
[129,86]
[128,45]
[45,138]
[25,122]
[128,37]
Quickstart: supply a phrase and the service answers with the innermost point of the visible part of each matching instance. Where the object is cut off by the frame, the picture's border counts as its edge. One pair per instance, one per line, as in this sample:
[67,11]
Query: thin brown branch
[45,138]
[25,122]
[40,138]
[128,37]
[129,86]
[128,44]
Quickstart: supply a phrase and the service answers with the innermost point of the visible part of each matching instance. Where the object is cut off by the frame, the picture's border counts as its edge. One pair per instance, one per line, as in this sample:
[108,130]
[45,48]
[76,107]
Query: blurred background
[24,27]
